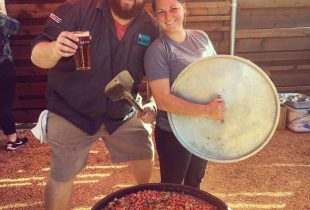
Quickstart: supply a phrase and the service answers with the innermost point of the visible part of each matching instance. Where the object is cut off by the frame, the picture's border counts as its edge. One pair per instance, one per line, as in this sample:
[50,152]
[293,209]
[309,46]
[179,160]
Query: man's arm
[47,54]
[44,55]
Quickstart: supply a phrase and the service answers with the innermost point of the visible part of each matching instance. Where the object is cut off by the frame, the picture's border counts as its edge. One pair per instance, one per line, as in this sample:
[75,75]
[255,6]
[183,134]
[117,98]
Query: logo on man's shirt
[55,18]
[144,40]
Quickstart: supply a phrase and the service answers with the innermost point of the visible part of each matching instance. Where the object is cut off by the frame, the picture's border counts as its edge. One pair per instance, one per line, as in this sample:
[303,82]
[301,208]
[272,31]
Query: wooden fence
[272,33]
[275,34]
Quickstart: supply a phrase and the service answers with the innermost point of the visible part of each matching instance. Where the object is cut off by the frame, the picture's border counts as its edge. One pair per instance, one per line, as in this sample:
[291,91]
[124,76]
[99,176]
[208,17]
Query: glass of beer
[82,55]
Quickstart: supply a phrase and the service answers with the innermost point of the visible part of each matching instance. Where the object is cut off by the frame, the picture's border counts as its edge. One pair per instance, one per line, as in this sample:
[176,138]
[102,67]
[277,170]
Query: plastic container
[298,120]
[297,101]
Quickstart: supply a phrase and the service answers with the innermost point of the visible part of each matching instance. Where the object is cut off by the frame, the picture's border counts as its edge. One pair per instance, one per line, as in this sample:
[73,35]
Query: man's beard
[125,14]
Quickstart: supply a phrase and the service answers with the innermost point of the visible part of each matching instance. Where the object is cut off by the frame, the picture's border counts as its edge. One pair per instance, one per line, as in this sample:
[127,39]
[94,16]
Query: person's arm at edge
[8,26]
[3,7]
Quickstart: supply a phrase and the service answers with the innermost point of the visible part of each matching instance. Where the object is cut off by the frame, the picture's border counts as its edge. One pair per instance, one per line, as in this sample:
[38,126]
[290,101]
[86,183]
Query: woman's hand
[215,109]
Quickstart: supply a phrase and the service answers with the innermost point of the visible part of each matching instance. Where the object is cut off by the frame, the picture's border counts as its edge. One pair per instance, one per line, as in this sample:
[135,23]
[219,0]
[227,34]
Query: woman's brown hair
[154,3]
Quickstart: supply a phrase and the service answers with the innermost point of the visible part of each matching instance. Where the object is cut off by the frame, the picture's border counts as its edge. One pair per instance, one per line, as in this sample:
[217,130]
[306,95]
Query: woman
[8,26]
[176,48]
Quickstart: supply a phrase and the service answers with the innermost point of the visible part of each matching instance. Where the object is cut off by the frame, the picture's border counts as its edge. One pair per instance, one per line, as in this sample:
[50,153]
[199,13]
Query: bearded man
[79,112]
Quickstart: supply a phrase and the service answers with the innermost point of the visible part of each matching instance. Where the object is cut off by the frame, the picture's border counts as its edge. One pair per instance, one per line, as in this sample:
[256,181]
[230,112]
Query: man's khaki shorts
[70,145]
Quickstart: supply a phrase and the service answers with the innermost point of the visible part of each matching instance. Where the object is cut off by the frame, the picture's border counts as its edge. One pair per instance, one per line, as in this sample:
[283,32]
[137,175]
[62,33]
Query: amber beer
[82,55]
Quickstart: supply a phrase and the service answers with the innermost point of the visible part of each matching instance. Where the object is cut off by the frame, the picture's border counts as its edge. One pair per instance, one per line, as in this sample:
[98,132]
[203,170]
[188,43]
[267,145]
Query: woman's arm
[165,101]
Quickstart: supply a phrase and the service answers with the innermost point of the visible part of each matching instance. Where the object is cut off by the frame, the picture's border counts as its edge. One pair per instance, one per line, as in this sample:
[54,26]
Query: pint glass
[82,55]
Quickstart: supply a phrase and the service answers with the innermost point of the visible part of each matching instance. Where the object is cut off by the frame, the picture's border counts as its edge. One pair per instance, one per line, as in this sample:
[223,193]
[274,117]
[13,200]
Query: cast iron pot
[163,187]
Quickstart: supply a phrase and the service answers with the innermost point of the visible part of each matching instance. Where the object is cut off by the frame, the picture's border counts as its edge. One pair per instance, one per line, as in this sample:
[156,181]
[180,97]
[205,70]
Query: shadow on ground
[278,177]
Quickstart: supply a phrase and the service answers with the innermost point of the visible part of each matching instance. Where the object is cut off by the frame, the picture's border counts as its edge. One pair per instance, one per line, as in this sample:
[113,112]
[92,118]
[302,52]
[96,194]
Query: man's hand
[47,54]
[149,115]
[65,45]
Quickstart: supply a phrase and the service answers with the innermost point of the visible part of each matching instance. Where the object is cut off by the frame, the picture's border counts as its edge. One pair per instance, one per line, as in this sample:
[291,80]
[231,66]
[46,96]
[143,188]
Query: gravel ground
[278,177]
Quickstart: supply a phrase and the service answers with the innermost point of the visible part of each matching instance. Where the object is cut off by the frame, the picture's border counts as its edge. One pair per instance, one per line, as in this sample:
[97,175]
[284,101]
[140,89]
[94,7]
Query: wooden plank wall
[272,33]
[211,16]
[275,34]
[31,81]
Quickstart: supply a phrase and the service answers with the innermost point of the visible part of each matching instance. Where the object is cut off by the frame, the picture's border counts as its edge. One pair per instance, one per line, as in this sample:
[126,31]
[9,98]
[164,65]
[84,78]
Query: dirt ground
[278,177]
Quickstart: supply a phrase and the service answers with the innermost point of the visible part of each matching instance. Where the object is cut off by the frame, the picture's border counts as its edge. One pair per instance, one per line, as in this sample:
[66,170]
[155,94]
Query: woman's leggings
[7,95]
[177,165]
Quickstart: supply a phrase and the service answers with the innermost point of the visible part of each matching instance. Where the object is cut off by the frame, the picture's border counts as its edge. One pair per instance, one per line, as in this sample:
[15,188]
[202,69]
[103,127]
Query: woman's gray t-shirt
[166,58]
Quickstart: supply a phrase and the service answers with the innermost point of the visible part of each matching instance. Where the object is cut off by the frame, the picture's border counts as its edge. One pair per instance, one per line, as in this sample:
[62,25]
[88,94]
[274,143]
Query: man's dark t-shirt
[79,96]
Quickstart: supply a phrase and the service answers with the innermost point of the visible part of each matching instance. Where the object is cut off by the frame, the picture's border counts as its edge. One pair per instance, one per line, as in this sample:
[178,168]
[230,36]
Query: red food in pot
[156,200]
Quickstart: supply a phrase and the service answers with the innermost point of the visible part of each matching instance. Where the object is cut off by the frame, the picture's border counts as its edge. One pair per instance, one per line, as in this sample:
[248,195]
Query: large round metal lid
[251,108]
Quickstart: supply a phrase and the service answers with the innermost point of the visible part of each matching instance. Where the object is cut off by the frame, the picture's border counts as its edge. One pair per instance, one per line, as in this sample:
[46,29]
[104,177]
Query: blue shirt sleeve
[8,26]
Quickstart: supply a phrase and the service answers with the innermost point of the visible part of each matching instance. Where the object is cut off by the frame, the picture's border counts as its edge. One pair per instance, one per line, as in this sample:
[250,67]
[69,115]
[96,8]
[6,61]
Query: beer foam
[81,33]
